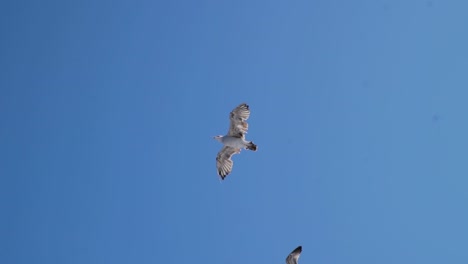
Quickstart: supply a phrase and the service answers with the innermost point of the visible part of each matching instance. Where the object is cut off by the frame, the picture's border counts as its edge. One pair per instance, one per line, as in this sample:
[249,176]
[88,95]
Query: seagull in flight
[294,256]
[234,141]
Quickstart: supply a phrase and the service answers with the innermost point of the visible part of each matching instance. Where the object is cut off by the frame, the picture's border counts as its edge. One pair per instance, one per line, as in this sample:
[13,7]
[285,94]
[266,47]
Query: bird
[294,256]
[235,140]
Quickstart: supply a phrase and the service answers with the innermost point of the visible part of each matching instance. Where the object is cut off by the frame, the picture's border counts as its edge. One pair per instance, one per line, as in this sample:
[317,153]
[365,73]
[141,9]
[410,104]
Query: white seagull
[294,256]
[234,141]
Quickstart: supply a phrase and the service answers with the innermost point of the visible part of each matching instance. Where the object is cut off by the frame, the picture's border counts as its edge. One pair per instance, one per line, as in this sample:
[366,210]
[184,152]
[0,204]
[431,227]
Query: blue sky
[108,110]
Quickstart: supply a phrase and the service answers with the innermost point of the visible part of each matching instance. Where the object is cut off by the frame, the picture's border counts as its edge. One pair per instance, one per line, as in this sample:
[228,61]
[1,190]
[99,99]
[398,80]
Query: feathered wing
[238,121]
[294,256]
[224,162]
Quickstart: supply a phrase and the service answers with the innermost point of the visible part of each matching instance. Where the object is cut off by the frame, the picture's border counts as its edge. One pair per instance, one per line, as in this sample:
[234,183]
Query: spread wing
[294,256]
[238,121]
[224,162]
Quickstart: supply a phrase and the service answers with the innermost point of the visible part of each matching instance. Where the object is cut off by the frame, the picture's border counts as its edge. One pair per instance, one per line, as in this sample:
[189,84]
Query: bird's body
[234,141]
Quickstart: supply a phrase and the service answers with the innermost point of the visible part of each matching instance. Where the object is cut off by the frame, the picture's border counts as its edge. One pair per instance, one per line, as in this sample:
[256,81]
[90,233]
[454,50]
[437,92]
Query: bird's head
[218,138]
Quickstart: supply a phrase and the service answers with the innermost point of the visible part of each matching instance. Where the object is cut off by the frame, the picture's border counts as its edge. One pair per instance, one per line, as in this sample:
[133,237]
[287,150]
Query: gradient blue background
[359,109]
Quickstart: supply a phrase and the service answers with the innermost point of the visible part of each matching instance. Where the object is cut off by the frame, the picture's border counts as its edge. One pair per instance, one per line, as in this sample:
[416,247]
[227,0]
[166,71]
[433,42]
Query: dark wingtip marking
[298,249]
[244,105]
[220,173]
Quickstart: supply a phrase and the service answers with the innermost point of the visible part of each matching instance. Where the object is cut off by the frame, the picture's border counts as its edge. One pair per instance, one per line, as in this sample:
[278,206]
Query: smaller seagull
[294,256]
[234,141]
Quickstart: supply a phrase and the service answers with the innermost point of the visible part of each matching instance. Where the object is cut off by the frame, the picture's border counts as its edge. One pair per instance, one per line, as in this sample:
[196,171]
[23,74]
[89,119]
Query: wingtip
[297,250]
[222,177]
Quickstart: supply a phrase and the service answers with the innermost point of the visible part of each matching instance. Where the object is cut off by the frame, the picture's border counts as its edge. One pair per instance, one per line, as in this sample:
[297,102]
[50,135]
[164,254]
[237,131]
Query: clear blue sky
[108,109]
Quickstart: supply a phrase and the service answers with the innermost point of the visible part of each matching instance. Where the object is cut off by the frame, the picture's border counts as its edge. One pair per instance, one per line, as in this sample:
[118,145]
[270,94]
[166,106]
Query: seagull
[234,141]
[294,256]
